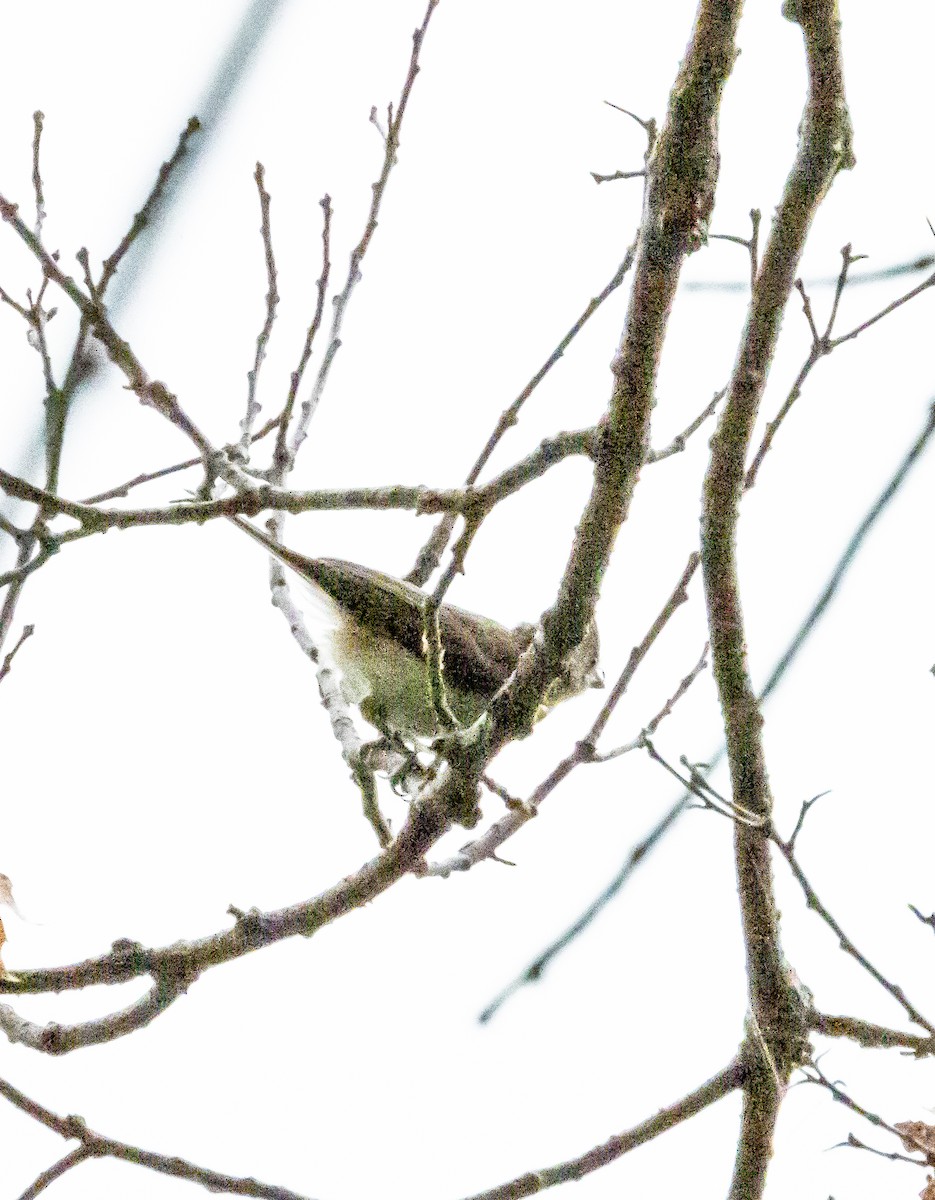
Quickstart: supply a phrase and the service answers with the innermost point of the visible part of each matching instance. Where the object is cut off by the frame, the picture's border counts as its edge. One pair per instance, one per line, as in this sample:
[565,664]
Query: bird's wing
[479,654]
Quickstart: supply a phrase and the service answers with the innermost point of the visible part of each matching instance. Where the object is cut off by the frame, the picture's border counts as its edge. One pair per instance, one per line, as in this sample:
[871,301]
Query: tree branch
[96,1145]
[721,1085]
[777,1016]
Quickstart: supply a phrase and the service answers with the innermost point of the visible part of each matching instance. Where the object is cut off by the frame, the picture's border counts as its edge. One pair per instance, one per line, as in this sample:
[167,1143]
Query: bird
[372,628]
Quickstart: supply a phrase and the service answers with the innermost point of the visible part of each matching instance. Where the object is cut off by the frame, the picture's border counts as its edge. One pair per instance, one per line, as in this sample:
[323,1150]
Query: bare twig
[150,392]
[678,597]
[58,399]
[272,300]
[865,1033]
[28,631]
[638,742]
[781,667]
[38,318]
[56,1171]
[647,124]
[430,554]
[584,752]
[37,118]
[640,174]
[124,489]
[25,566]
[14,304]
[341,300]
[695,784]
[885,312]
[174,968]
[533,1182]
[851,550]
[288,447]
[649,128]
[786,849]
[537,968]
[822,345]
[750,244]
[282,463]
[929,920]
[473,503]
[151,204]
[678,443]
[814,1074]
[13,531]
[746,818]
[96,1145]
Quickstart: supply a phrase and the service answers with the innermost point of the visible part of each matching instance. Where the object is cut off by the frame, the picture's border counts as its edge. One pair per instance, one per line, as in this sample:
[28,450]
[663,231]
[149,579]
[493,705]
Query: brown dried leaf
[6,895]
[4,973]
[918,1137]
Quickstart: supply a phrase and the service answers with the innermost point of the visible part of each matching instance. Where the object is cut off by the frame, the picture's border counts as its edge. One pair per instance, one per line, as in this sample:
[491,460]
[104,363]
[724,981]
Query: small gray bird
[373,631]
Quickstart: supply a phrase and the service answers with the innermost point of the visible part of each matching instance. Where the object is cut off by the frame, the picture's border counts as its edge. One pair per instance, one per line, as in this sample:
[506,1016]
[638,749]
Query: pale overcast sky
[165,753]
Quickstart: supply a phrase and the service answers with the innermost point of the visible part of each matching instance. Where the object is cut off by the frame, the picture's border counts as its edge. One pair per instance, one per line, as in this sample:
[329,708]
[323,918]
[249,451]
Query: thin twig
[793,649]
[537,968]
[649,128]
[124,489]
[814,1074]
[150,392]
[430,554]
[750,244]
[533,1182]
[38,318]
[342,299]
[823,345]
[584,752]
[678,443]
[96,1145]
[885,312]
[650,728]
[145,215]
[287,448]
[282,462]
[56,1171]
[38,118]
[640,174]
[28,631]
[786,849]
[272,300]
[678,596]
[851,550]
[174,968]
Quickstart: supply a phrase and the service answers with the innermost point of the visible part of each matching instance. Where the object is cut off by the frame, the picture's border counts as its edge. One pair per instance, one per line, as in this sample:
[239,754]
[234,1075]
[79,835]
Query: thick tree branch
[679,197]
[173,968]
[777,1014]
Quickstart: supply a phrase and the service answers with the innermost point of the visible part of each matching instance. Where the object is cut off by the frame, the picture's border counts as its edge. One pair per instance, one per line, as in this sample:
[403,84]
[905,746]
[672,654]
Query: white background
[164,754]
